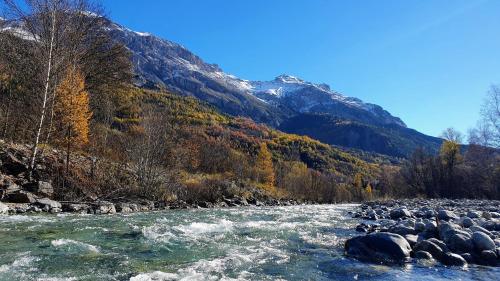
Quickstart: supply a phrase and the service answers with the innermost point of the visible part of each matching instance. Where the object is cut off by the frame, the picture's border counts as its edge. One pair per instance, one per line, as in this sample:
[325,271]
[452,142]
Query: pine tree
[264,166]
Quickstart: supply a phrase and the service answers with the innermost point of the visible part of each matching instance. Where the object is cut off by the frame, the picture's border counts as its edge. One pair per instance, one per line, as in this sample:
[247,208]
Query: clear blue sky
[429,62]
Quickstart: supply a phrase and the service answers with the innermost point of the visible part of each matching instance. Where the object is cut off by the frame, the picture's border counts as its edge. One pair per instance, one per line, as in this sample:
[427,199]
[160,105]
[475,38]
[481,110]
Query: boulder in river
[379,247]
[453,259]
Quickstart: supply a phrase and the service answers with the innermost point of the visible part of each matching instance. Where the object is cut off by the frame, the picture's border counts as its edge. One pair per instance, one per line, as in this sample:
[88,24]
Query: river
[268,243]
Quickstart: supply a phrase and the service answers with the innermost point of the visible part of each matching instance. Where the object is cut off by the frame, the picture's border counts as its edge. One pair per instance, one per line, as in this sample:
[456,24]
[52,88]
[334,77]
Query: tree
[487,132]
[72,110]
[264,166]
[51,36]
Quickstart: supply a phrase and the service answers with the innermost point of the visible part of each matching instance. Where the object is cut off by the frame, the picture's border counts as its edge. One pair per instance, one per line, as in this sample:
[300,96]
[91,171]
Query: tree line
[458,171]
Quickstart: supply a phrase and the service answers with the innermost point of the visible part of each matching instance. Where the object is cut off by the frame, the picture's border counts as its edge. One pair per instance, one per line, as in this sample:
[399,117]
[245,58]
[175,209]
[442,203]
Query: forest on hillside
[66,90]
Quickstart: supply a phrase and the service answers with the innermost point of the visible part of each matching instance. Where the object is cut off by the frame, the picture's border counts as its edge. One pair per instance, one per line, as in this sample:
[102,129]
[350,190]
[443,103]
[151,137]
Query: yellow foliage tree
[72,110]
[358,180]
[264,166]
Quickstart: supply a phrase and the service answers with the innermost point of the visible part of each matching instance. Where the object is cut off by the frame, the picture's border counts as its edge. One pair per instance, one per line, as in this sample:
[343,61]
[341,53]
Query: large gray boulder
[379,247]
[458,241]
[482,242]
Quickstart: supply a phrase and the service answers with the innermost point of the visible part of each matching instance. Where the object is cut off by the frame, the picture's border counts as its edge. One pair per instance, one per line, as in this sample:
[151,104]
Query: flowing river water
[268,243]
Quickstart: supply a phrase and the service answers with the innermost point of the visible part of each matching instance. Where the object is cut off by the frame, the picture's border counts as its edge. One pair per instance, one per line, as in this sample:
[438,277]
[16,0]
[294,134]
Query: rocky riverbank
[452,232]
[20,193]
[17,200]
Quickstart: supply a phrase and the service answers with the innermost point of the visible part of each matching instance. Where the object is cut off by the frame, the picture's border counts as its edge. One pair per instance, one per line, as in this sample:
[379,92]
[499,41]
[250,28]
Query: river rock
[430,247]
[401,212]
[401,230]
[423,255]
[467,222]
[419,226]
[412,239]
[446,215]
[124,208]
[458,241]
[105,208]
[486,215]
[453,259]
[473,214]
[488,257]
[4,209]
[482,241]
[477,228]
[49,205]
[379,247]
[75,208]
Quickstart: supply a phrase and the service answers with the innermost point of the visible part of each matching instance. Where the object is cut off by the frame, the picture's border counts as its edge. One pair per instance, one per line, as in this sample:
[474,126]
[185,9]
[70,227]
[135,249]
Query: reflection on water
[272,243]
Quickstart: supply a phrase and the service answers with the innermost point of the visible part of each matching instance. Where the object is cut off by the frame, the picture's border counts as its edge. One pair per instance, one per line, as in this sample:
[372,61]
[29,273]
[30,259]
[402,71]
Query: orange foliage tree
[264,166]
[72,111]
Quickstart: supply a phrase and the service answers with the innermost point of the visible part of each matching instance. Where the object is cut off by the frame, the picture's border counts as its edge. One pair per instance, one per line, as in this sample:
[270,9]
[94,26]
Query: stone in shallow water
[423,255]
[488,257]
[379,247]
[453,259]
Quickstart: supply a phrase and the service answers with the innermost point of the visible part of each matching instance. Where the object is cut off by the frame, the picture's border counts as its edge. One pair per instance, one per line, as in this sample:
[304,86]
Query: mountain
[282,103]
[286,102]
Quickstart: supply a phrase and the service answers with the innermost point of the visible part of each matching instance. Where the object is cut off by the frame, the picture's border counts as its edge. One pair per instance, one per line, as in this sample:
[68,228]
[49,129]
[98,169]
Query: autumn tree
[264,167]
[72,112]
[55,35]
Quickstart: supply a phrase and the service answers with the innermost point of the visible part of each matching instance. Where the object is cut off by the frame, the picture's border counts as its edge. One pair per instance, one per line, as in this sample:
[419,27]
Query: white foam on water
[23,263]
[155,276]
[197,228]
[68,242]
[162,231]
[25,218]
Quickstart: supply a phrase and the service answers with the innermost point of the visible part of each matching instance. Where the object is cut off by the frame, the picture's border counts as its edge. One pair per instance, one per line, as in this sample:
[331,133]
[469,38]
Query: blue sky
[429,62]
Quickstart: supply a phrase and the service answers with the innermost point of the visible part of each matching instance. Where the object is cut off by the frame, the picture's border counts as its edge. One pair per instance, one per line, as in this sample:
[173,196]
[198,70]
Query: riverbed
[253,243]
